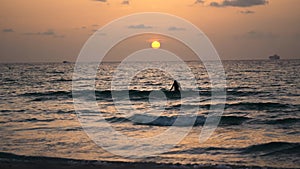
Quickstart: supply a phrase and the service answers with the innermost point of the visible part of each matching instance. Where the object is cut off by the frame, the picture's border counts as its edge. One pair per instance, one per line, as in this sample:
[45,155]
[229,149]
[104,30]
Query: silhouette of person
[176,86]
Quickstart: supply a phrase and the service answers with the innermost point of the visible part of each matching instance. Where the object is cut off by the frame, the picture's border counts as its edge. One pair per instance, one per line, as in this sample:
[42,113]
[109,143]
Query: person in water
[176,86]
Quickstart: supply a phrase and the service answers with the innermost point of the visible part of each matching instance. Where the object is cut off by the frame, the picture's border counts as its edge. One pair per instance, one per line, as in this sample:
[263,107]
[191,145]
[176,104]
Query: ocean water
[259,126]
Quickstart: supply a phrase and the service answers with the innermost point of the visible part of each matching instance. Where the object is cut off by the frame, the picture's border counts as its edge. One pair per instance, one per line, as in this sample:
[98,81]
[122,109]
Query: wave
[56,72]
[136,94]
[65,112]
[62,80]
[233,120]
[245,93]
[273,148]
[31,120]
[141,119]
[8,80]
[141,94]
[283,121]
[249,106]
[265,149]
[48,93]
[11,111]
[257,106]
[34,120]
[22,161]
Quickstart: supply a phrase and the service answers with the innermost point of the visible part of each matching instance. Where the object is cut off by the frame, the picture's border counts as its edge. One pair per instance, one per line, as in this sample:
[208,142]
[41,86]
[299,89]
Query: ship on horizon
[274,57]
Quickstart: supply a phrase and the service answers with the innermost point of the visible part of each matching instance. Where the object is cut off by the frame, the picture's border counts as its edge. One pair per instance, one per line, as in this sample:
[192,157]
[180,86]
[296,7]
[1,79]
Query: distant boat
[274,57]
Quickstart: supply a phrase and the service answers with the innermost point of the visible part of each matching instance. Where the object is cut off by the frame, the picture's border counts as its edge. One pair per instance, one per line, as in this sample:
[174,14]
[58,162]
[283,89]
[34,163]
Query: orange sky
[55,30]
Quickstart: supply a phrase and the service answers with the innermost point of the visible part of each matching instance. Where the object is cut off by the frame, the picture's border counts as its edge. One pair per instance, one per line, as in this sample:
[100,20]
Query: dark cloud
[140,26]
[125,2]
[239,3]
[174,28]
[7,30]
[247,12]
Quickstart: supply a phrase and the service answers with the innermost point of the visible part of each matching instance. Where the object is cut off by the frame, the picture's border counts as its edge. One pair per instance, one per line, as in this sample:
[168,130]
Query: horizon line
[265,59]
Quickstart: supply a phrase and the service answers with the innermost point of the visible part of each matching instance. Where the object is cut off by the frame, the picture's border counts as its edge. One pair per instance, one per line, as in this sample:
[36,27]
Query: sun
[155,45]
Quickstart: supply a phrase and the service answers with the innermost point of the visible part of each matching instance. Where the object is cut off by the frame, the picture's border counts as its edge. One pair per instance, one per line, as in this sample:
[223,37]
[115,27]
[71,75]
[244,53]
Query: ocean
[260,125]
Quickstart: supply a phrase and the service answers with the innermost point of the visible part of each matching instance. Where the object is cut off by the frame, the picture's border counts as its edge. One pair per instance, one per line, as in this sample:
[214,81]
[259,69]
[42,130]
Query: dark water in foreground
[259,127]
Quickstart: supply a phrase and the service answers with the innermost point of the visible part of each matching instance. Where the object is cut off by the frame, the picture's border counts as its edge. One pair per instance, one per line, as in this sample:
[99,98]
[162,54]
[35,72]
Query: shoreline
[13,161]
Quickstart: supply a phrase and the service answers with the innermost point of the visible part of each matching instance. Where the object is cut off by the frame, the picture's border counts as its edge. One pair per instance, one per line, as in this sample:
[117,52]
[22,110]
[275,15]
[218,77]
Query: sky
[56,30]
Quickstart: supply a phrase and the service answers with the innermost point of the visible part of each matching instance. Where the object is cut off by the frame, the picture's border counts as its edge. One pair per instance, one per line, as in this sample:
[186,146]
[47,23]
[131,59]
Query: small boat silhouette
[274,57]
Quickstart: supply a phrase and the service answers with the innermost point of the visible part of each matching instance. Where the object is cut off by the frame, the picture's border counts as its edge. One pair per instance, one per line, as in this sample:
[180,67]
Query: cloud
[199,2]
[215,4]
[247,12]
[83,27]
[260,35]
[59,36]
[8,30]
[101,0]
[140,26]
[125,2]
[174,28]
[99,33]
[49,32]
[239,3]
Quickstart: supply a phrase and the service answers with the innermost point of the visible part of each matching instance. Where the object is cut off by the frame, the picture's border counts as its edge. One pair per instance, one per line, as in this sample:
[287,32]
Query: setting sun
[155,45]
